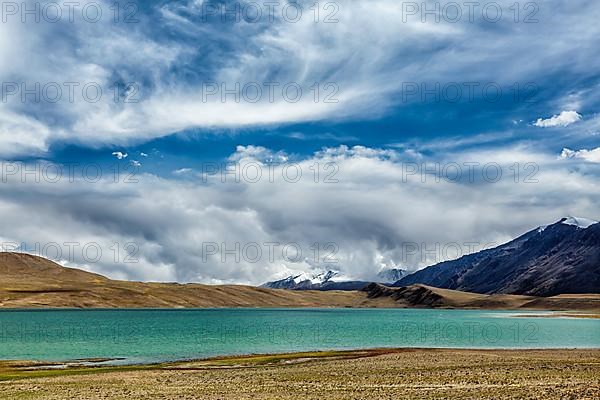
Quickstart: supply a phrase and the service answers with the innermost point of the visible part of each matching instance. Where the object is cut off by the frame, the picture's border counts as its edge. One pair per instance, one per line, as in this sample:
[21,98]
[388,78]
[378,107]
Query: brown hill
[28,281]
[430,297]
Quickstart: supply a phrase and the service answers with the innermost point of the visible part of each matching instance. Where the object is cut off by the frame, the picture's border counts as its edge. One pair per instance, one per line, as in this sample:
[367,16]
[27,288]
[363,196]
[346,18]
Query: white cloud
[120,155]
[371,208]
[563,119]
[21,134]
[592,155]
[260,153]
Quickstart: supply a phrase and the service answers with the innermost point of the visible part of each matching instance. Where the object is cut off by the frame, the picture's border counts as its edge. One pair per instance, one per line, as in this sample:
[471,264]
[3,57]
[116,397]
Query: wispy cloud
[171,53]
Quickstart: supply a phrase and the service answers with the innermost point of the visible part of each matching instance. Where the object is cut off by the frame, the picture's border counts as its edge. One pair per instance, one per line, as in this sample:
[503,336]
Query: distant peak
[579,222]
[391,275]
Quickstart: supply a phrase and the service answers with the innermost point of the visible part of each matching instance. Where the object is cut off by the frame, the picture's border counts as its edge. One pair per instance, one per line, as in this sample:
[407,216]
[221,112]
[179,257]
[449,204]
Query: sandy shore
[369,374]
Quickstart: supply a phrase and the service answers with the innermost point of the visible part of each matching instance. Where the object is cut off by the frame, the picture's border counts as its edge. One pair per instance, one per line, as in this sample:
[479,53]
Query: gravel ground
[405,374]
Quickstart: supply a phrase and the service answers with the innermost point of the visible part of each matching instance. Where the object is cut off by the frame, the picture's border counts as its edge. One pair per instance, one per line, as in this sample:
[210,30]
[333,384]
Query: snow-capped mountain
[563,257]
[331,280]
[581,223]
[303,281]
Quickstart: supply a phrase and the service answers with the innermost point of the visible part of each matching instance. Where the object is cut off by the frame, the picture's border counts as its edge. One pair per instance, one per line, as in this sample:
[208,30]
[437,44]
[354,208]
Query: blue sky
[396,85]
[386,74]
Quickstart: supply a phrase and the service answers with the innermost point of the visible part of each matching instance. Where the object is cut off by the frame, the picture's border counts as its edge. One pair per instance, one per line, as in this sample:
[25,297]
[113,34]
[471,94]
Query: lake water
[143,336]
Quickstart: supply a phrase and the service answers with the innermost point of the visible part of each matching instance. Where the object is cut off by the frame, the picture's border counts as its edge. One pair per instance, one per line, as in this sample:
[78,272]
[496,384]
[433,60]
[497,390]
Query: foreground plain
[370,374]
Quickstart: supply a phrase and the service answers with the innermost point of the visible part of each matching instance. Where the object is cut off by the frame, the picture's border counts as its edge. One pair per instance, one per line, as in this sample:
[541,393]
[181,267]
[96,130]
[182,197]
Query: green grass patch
[27,370]
[15,374]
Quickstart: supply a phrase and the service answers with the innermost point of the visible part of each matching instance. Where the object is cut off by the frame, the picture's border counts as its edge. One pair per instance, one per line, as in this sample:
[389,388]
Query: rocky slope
[422,296]
[561,258]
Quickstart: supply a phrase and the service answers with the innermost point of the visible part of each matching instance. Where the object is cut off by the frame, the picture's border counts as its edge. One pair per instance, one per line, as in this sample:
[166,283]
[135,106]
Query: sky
[241,142]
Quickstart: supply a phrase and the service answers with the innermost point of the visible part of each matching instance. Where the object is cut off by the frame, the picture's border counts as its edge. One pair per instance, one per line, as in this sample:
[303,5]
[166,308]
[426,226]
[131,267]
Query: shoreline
[563,314]
[20,369]
[551,312]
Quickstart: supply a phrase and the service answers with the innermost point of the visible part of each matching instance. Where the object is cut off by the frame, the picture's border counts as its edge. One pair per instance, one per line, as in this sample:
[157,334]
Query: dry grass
[383,374]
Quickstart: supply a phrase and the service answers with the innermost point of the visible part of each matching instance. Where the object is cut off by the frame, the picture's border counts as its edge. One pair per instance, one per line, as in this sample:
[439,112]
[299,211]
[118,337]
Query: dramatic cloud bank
[85,88]
[366,208]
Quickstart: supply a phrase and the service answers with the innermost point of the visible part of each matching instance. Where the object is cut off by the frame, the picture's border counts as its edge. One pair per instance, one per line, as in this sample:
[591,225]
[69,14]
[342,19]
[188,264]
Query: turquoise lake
[145,336]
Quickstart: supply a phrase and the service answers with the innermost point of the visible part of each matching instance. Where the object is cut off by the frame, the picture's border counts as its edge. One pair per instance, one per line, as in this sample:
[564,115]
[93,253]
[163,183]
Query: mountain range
[332,280]
[28,281]
[563,257]
[555,266]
